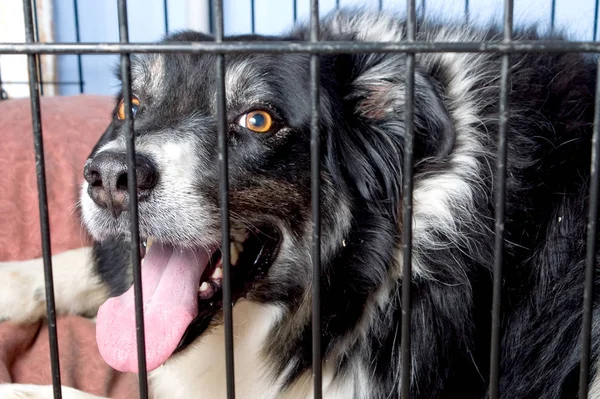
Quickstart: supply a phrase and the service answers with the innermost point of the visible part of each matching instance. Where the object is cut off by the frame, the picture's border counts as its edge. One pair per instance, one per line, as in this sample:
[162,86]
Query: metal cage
[32,48]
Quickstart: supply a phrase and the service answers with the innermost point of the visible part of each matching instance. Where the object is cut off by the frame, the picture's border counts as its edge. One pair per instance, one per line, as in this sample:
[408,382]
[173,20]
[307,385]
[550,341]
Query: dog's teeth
[239,246]
[234,253]
[149,242]
[239,235]
[206,291]
[217,274]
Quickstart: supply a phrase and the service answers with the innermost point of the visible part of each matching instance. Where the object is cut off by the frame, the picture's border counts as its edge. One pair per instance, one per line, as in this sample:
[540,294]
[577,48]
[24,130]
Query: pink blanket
[71,126]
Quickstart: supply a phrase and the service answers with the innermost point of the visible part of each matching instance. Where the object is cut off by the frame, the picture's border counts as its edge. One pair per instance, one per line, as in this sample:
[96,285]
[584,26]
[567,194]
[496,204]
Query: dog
[362,127]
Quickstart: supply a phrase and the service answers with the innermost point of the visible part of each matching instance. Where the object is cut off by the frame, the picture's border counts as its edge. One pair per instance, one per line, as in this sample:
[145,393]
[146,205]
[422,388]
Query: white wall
[13,67]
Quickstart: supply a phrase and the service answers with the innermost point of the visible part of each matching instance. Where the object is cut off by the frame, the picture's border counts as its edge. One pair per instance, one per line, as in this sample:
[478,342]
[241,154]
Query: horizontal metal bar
[301,47]
[44,82]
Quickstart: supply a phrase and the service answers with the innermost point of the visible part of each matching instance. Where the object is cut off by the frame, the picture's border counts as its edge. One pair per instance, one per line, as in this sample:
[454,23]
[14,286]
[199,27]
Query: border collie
[363,129]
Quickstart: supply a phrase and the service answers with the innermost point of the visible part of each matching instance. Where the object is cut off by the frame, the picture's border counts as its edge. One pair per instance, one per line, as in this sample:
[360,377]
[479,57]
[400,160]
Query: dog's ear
[373,95]
[377,95]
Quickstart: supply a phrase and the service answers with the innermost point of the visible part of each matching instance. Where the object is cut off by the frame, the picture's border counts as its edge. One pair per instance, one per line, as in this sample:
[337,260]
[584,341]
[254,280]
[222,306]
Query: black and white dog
[363,130]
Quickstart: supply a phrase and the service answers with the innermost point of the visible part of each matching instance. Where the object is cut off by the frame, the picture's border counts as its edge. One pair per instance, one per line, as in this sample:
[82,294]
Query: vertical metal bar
[3,94]
[337,4]
[596,20]
[40,167]
[552,15]
[315,167]
[588,291]
[78,40]
[133,202]
[466,11]
[224,199]
[36,35]
[380,5]
[407,203]
[295,5]
[500,195]
[211,16]
[253,16]
[166,15]
[423,7]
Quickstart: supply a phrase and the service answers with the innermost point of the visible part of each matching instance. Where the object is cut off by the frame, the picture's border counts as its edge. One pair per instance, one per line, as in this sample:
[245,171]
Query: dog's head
[268,112]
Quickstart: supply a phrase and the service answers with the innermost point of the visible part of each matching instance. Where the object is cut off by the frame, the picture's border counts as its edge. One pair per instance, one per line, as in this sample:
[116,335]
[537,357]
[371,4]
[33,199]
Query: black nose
[106,174]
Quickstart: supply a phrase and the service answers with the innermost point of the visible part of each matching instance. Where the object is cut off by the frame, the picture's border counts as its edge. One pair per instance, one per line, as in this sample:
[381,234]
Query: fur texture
[363,131]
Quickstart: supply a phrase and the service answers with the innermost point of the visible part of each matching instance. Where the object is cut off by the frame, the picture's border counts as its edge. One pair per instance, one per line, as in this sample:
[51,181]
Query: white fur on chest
[199,371]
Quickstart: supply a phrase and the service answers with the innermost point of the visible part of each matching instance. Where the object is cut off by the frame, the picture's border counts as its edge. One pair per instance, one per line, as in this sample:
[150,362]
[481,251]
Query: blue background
[98,23]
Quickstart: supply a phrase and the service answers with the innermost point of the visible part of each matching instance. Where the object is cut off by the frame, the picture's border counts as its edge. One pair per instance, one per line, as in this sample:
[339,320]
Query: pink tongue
[170,279]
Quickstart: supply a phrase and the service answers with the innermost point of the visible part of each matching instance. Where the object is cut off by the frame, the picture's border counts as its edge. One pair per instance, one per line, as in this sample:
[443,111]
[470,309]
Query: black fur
[362,125]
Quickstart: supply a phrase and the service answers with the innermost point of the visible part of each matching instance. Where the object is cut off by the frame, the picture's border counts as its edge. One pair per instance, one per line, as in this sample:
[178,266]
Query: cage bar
[78,40]
[315,170]
[590,261]
[36,36]
[3,94]
[224,199]
[166,15]
[499,205]
[552,15]
[38,143]
[211,17]
[133,203]
[295,5]
[47,82]
[596,20]
[33,49]
[321,47]
[407,188]
[253,16]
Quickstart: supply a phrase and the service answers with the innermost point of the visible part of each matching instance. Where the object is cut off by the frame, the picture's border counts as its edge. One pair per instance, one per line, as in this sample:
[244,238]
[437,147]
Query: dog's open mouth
[252,252]
[182,293]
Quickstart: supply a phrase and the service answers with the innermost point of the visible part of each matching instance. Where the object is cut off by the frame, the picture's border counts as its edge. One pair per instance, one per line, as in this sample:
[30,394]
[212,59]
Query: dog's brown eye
[257,121]
[135,104]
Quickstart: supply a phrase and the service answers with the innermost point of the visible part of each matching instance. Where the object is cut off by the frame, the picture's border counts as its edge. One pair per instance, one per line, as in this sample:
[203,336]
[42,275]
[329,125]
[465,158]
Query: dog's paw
[77,289]
[22,292]
[26,391]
